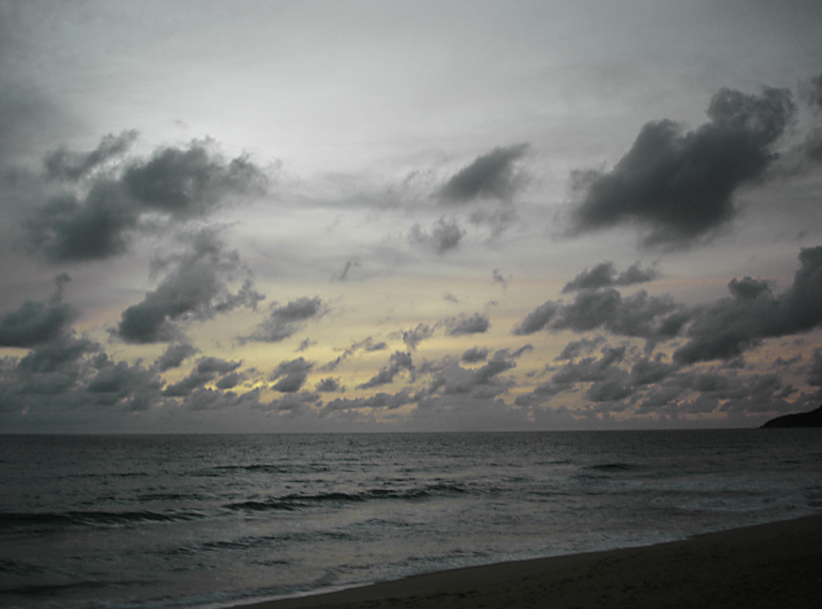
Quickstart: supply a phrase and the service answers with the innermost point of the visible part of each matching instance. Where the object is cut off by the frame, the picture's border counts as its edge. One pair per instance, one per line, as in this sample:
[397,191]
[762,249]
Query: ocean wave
[302,501]
[40,521]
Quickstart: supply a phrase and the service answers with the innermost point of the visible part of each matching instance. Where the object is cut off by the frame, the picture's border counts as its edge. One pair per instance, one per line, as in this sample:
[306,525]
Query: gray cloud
[63,164]
[207,369]
[291,374]
[537,319]
[604,275]
[491,175]
[815,373]
[399,362]
[195,287]
[96,219]
[35,323]
[119,382]
[283,321]
[679,186]
[728,327]
[473,355]
[369,344]
[654,318]
[174,356]
[475,324]
[720,330]
[329,385]
[583,346]
[415,336]
[380,400]
[445,235]
[190,182]
[498,278]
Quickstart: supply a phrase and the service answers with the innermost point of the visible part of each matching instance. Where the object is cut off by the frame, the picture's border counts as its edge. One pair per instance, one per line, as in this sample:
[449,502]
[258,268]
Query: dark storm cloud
[678,186]
[63,164]
[728,327]
[174,355]
[605,275]
[491,175]
[291,374]
[97,213]
[475,324]
[398,363]
[283,321]
[196,286]
[445,235]
[473,355]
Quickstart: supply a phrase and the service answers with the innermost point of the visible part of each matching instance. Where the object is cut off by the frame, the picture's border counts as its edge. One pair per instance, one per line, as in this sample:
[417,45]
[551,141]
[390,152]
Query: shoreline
[761,566]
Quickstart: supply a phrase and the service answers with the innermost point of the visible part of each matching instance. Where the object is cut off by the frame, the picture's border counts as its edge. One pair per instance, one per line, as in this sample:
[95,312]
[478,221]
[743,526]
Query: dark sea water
[208,521]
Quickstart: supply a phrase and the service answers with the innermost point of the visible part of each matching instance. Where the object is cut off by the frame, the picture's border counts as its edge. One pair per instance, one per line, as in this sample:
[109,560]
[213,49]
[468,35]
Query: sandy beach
[771,565]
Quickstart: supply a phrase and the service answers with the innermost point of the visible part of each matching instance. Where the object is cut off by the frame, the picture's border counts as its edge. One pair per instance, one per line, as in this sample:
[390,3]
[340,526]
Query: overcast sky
[317,216]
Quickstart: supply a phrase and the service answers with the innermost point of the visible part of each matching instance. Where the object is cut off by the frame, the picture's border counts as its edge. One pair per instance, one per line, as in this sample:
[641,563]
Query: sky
[408,216]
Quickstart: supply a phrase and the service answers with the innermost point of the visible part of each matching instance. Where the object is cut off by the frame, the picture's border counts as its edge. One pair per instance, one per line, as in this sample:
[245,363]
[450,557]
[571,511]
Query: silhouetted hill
[812,418]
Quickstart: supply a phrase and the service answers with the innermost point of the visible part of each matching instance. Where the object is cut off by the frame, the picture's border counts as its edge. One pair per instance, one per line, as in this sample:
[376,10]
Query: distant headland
[812,418]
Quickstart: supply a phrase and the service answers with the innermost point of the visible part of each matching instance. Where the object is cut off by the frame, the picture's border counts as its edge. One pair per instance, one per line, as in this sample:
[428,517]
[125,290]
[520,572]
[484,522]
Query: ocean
[208,521]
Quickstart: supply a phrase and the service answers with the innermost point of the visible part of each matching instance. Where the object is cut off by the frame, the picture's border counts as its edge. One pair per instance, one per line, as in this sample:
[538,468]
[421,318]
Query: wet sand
[772,565]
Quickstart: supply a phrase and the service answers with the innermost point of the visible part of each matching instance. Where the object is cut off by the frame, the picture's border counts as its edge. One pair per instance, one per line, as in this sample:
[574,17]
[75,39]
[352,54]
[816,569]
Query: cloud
[473,355]
[380,400]
[604,275]
[723,329]
[815,373]
[283,321]
[329,385]
[369,344]
[678,187]
[96,213]
[415,336]
[446,235]
[579,347]
[482,382]
[207,369]
[399,362]
[63,164]
[727,327]
[476,324]
[35,323]
[174,356]
[498,278]
[120,383]
[291,374]
[654,318]
[190,182]
[195,287]
[537,319]
[490,176]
